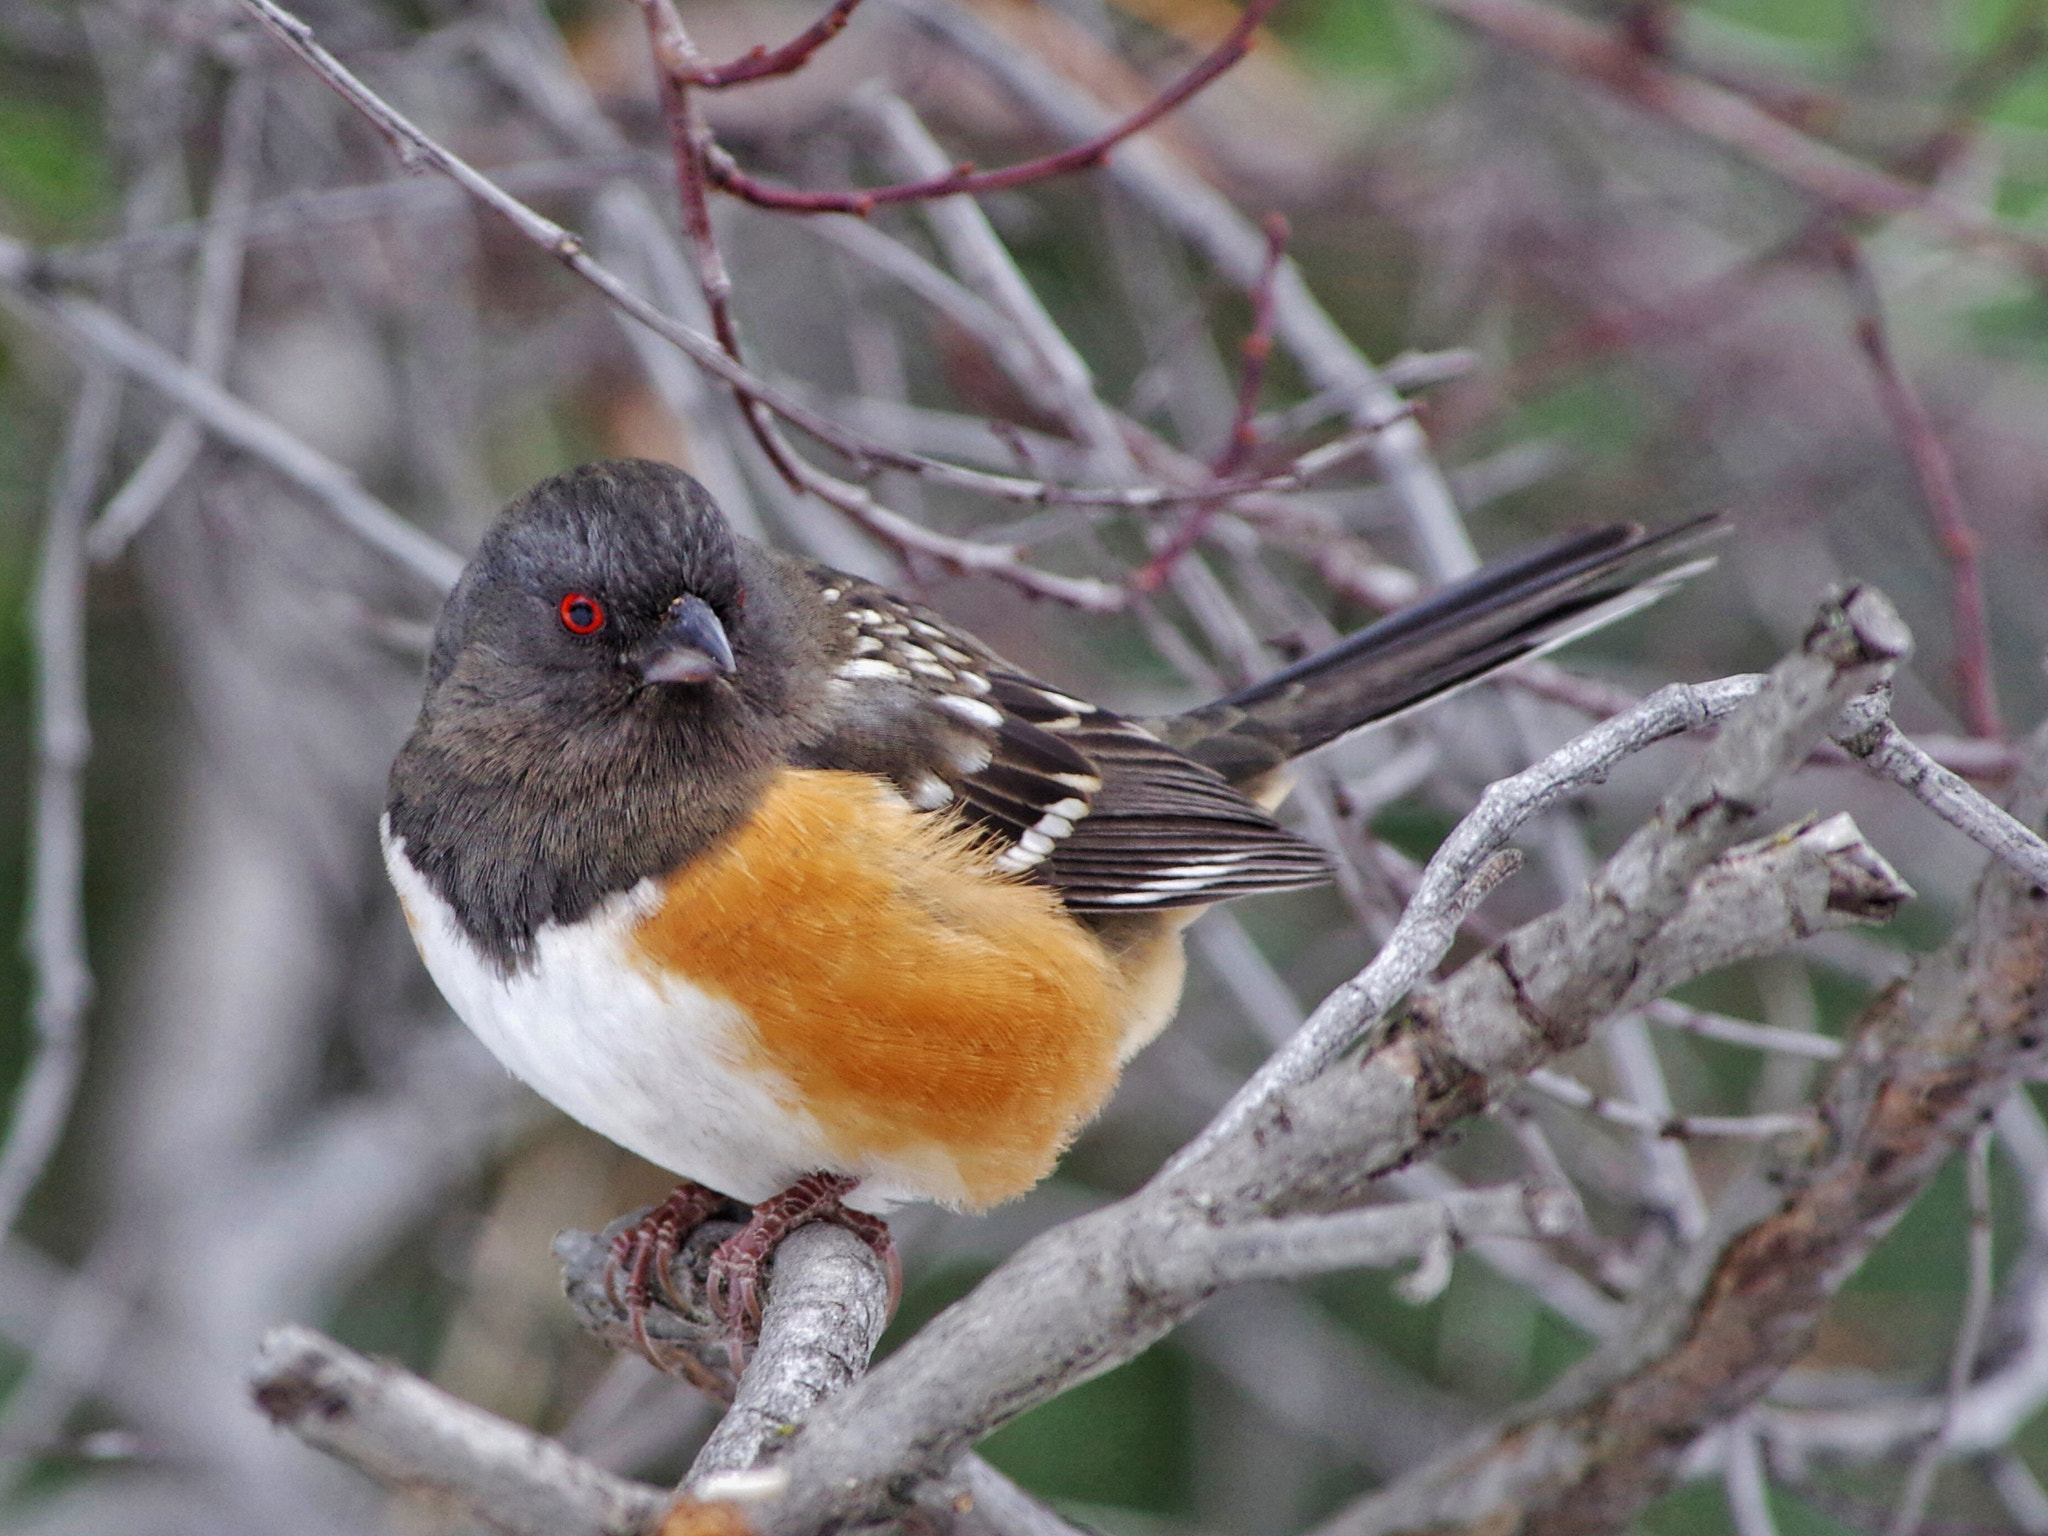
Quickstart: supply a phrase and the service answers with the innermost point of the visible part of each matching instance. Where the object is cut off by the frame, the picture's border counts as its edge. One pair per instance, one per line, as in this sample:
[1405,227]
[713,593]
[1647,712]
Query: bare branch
[1868,734]
[1762,1037]
[827,1303]
[1432,916]
[103,332]
[215,306]
[1673,1127]
[1291,1247]
[763,63]
[1749,1494]
[55,936]
[1237,249]
[1926,1061]
[407,1433]
[966,181]
[1613,62]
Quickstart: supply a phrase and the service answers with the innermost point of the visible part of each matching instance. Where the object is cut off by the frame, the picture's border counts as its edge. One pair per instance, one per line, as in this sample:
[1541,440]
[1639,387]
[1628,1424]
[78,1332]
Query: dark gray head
[611,576]
[612,682]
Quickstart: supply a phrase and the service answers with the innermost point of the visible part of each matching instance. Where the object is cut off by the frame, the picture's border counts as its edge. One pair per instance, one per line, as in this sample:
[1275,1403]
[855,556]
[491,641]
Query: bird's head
[606,581]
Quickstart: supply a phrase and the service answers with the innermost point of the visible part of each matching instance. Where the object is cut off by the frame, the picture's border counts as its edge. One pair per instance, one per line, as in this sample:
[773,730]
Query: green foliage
[1832,23]
[1121,1439]
[53,176]
[1383,41]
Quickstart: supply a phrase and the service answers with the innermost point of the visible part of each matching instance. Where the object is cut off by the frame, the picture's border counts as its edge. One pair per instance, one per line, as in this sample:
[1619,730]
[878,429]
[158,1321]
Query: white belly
[650,1065]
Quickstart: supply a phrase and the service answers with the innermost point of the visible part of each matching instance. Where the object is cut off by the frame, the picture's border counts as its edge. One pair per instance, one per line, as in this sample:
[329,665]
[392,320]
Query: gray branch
[410,1434]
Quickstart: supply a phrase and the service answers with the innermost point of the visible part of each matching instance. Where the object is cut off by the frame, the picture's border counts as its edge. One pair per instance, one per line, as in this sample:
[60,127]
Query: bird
[801,892]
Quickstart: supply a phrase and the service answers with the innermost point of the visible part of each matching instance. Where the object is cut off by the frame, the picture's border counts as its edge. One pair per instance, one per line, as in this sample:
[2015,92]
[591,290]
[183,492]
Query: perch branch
[827,1304]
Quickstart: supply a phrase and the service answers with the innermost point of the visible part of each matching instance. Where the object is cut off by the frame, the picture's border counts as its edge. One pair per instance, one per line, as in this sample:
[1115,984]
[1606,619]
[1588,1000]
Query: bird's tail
[1518,608]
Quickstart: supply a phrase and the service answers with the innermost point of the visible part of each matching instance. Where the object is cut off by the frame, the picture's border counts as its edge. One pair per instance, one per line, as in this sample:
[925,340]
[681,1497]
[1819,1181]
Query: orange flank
[929,1014]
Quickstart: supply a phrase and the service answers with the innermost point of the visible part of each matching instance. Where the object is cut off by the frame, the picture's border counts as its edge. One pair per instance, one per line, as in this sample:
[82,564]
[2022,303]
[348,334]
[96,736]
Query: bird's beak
[691,646]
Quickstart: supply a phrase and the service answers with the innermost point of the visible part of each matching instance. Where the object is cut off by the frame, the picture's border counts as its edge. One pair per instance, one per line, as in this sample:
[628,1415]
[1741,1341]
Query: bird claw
[732,1283]
[644,1259]
[644,1255]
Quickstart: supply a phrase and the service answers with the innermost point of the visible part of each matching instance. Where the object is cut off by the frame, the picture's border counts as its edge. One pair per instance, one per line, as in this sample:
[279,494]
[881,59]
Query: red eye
[582,615]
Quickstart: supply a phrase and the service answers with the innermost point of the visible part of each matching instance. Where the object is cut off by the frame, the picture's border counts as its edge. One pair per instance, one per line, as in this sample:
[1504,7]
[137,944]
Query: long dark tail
[1517,608]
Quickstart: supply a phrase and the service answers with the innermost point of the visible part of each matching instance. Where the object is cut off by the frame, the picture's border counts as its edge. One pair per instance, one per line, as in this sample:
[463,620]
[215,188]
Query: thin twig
[1762,1037]
[215,306]
[1867,733]
[235,422]
[1941,499]
[55,936]
[1609,59]
[1233,244]
[964,180]
[1970,757]
[1003,562]
[1568,1090]
[762,63]
[1256,350]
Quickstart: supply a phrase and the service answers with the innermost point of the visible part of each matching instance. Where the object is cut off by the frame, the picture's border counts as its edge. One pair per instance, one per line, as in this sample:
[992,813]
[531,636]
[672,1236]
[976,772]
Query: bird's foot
[733,1283]
[644,1255]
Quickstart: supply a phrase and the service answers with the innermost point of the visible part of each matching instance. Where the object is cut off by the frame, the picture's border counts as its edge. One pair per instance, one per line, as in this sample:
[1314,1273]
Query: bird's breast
[839,983]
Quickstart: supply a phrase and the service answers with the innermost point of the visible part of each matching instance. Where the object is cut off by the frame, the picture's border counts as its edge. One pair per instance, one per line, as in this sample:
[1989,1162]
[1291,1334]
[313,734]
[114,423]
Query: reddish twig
[1939,496]
[764,63]
[725,174]
[1256,349]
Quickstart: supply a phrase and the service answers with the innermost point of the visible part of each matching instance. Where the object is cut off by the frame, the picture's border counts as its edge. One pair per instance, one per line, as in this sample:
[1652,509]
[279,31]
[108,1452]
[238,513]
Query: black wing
[1076,796]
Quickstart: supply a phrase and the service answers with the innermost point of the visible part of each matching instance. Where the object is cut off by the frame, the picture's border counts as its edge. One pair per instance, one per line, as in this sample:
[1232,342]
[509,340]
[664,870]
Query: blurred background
[1596,314]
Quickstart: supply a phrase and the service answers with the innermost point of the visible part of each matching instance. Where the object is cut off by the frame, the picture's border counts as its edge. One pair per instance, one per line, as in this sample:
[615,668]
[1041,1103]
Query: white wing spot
[1078,706]
[973,682]
[929,792]
[932,669]
[1015,861]
[830,594]
[867,645]
[868,667]
[987,716]
[1049,825]
[954,654]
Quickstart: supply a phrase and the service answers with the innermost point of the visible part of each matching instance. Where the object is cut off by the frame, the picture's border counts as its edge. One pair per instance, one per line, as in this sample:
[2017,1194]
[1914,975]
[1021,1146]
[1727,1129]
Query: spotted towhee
[799,891]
